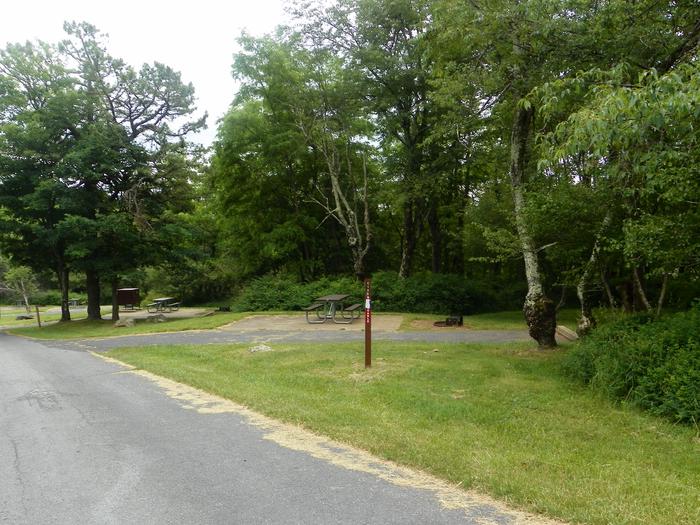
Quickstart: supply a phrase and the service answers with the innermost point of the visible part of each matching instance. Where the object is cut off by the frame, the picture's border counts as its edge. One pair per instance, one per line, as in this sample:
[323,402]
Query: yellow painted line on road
[339,454]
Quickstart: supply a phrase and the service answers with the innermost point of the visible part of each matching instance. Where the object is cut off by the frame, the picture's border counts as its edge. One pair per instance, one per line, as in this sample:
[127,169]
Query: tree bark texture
[539,310]
[662,296]
[25,296]
[62,274]
[92,282]
[115,300]
[435,236]
[410,235]
[608,291]
[412,207]
[586,321]
[639,290]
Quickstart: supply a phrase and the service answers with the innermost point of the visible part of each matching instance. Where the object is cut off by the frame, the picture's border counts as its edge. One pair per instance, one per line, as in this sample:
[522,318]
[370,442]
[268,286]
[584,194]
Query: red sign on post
[368,324]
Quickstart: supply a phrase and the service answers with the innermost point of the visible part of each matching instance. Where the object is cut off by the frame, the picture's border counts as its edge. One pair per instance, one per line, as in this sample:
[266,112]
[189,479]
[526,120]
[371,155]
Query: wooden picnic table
[332,303]
[332,307]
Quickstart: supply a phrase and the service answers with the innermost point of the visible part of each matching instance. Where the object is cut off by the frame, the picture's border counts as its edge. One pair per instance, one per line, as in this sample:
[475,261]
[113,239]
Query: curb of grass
[300,439]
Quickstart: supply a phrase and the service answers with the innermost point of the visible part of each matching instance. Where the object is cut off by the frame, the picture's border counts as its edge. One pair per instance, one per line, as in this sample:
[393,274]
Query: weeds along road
[87,440]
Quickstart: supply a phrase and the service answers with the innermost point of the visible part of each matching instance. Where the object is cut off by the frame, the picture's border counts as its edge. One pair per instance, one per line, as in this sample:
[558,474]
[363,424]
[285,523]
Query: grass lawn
[80,329]
[497,418]
[8,316]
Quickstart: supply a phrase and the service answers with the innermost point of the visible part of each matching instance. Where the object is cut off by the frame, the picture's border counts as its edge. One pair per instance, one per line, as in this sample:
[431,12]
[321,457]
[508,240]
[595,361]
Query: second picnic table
[161,304]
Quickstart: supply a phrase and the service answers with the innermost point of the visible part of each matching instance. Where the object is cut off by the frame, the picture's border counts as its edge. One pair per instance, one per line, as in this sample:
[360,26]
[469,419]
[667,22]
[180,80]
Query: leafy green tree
[296,126]
[86,134]
[37,98]
[507,49]
[261,164]
[19,281]
[382,45]
[645,134]
[606,162]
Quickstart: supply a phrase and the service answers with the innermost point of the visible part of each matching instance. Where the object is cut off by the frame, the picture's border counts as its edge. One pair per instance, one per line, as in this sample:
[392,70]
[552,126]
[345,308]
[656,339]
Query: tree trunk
[358,264]
[346,202]
[662,296]
[539,309]
[92,282]
[25,296]
[435,236]
[115,300]
[608,290]
[627,296]
[63,282]
[639,290]
[409,239]
[587,322]
[411,206]
[562,299]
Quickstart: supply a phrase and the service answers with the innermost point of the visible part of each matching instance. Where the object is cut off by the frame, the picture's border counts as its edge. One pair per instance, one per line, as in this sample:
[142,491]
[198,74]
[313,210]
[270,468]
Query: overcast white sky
[195,37]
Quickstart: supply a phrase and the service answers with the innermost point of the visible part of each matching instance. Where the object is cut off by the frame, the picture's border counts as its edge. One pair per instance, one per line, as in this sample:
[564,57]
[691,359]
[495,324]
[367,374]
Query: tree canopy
[490,126]
[530,148]
[83,142]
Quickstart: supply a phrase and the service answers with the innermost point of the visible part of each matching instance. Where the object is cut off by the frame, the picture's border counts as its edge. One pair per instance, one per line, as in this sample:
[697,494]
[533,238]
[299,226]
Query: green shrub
[434,293]
[652,364]
[421,293]
[48,297]
[273,292]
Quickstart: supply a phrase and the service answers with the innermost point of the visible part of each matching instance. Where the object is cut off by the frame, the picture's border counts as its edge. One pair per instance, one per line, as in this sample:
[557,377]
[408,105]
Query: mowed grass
[82,328]
[497,418]
[8,316]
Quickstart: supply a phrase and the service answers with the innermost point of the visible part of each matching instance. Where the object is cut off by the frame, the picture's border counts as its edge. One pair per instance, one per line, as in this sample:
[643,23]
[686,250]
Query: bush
[434,293]
[273,292]
[422,293]
[48,297]
[652,364]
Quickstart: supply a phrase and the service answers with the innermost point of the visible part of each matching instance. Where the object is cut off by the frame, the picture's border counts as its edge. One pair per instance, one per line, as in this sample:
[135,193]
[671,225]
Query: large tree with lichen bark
[509,49]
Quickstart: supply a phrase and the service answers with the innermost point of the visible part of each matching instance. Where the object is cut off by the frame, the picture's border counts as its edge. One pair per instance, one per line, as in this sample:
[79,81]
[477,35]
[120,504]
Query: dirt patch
[182,313]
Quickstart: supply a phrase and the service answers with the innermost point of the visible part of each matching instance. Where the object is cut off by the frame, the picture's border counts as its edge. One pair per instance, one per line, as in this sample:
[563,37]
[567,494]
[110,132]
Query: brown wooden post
[368,323]
[38,317]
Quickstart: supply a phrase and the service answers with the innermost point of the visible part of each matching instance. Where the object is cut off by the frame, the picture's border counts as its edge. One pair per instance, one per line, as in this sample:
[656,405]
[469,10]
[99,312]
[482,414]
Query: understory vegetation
[421,293]
[651,364]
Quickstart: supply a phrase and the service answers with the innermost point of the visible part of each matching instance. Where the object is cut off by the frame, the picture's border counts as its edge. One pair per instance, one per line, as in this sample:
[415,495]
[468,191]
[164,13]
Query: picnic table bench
[332,307]
[353,310]
[316,307]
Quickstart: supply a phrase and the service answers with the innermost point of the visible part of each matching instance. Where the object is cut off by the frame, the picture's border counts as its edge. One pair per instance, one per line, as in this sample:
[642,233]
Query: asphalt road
[84,440]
